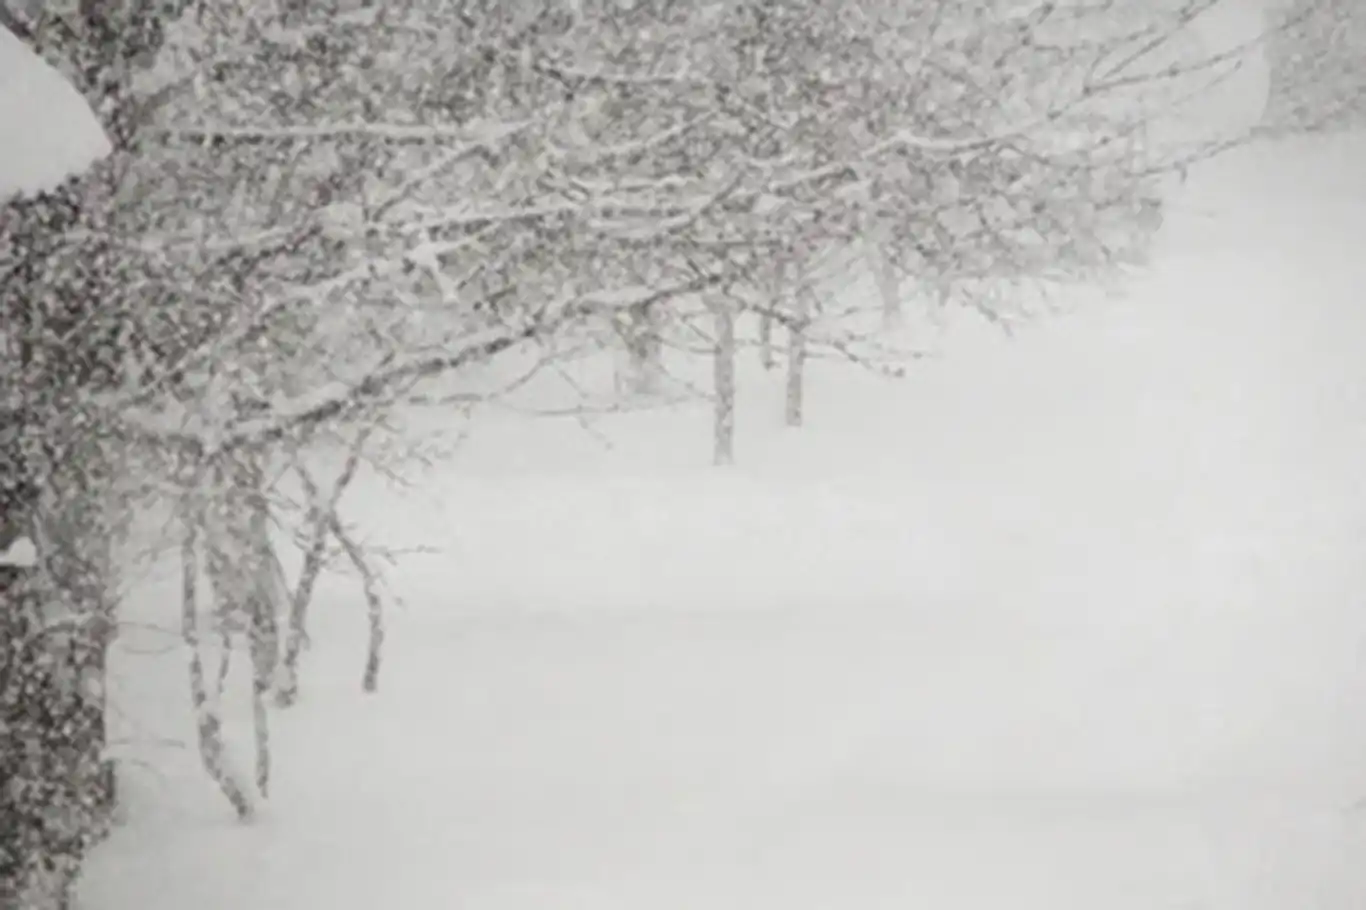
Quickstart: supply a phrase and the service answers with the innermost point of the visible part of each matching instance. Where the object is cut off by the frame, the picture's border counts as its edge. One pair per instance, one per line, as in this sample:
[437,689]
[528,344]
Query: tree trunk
[793,410]
[56,495]
[262,610]
[63,295]
[775,302]
[766,358]
[723,388]
[296,632]
[323,522]
[888,283]
[374,605]
[639,329]
[23,689]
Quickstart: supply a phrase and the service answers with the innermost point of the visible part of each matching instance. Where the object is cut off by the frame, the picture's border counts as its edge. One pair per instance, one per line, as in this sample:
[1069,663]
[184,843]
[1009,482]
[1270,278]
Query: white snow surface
[47,131]
[1069,621]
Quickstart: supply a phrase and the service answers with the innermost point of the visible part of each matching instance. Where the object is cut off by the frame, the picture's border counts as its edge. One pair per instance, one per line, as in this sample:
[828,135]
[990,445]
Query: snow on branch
[389,132]
[338,401]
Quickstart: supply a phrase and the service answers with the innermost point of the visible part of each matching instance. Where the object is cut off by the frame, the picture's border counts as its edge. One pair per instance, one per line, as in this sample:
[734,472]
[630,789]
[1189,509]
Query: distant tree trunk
[640,331]
[723,384]
[263,616]
[374,605]
[888,281]
[775,302]
[766,358]
[796,356]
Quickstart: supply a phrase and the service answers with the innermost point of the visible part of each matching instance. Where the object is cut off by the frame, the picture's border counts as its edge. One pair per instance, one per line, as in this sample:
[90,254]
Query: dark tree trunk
[723,379]
[58,308]
[794,407]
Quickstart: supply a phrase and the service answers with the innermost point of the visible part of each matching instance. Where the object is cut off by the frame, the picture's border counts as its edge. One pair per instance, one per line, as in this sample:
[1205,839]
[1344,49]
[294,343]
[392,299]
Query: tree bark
[56,293]
[766,358]
[374,604]
[262,617]
[794,400]
[723,378]
[296,631]
[775,302]
[888,282]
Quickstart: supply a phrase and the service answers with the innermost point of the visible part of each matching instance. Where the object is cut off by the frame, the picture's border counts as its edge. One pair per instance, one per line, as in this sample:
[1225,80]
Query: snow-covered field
[1072,621]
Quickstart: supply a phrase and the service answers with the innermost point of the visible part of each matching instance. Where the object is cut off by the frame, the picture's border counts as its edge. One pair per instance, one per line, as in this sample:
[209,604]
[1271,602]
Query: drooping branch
[334,404]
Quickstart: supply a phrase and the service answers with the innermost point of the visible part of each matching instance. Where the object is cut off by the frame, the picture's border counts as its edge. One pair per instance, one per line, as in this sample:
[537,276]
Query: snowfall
[1067,620]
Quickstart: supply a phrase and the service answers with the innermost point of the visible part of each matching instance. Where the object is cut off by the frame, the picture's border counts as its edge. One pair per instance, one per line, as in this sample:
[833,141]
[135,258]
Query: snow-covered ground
[1072,621]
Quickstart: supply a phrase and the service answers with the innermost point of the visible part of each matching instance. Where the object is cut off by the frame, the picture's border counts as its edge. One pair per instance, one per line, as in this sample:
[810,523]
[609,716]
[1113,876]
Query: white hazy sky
[47,132]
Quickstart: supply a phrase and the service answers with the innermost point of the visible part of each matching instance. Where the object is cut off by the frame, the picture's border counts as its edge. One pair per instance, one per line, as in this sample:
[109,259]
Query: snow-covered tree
[971,147]
[310,209]
[55,616]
